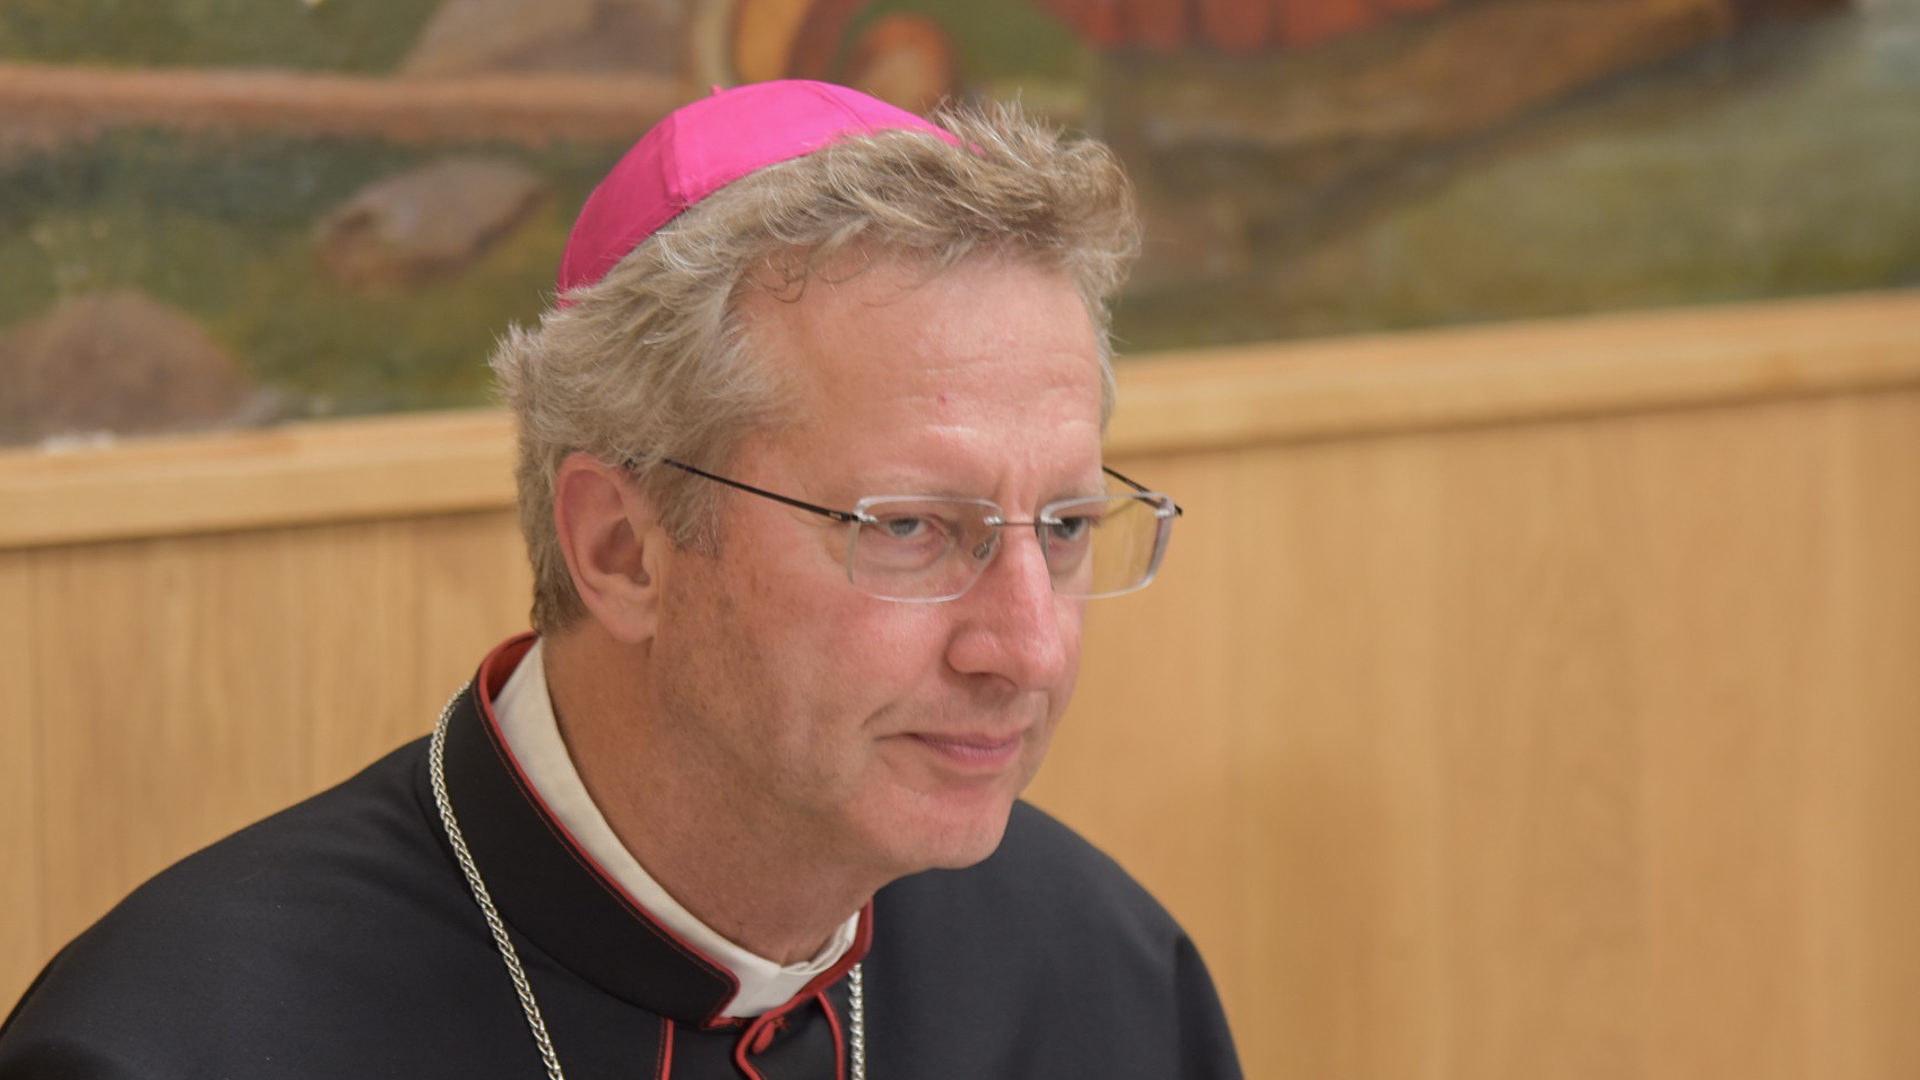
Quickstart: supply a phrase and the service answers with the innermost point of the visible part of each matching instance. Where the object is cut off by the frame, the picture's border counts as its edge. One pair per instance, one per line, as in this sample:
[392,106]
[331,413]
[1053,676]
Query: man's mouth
[974,751]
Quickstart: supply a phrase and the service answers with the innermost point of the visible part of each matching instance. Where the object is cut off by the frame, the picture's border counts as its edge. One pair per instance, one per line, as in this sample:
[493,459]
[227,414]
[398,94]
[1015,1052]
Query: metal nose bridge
[984,551]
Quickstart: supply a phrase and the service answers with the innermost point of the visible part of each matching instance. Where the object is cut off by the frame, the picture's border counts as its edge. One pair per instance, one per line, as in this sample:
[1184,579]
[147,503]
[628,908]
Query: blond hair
[653,362]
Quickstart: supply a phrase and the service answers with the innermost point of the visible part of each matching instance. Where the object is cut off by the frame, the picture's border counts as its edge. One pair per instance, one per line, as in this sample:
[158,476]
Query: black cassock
[339,939]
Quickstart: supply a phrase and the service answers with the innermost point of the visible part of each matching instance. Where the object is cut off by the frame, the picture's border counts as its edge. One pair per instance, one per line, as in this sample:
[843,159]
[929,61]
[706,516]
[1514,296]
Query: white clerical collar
[524,710]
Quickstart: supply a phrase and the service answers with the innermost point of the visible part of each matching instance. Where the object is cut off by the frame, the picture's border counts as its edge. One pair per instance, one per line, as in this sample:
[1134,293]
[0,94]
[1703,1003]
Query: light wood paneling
[1518,372]
[475,587]
[1733,656]
[22,948]
[1517,702]
[164,715]
[1578,749]
[1886,674]
[221,677]
[425,599]
[1864,872]
[366,622]
[294,475]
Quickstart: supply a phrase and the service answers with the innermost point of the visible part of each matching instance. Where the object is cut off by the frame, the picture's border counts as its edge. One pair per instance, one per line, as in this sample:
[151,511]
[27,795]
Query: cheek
[877,651]
[828,657]
[1072,614]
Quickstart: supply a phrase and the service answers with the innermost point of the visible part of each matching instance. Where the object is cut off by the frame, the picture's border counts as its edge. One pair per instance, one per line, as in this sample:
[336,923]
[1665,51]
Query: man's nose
[1013,626]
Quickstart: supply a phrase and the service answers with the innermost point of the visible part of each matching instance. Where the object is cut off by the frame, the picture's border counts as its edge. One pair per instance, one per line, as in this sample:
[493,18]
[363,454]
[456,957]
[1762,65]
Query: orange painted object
[904,59]
[1236,26]
[1158,24]
[1229,26]
[804,37]
[821,32]
[1097,22]
[1306,22]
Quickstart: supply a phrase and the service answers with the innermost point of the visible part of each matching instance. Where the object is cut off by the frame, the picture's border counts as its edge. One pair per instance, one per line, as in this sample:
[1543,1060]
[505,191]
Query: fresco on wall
[230,212]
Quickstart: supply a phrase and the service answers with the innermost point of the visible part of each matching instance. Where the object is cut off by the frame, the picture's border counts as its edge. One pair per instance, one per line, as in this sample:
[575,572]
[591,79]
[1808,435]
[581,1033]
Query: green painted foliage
[224,228]
[346,35]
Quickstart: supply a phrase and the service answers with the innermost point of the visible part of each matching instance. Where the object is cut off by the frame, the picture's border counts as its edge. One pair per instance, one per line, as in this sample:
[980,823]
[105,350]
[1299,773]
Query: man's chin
[952,838]
[971,855]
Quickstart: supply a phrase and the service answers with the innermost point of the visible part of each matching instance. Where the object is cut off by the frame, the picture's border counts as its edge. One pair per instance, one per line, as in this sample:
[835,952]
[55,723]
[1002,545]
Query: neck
[711,846]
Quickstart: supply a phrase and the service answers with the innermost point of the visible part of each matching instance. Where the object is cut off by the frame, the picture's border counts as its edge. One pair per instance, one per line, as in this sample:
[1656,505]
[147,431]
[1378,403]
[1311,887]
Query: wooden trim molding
[341,470]
[1250,395]
[1519,372]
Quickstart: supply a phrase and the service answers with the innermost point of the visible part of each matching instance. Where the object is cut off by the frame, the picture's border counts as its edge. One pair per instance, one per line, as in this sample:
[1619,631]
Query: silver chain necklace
[436,756]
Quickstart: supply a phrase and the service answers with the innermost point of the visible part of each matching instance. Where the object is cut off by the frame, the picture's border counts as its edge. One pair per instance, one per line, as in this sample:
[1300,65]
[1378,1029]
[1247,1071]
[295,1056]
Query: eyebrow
[1076,491]
[903,492]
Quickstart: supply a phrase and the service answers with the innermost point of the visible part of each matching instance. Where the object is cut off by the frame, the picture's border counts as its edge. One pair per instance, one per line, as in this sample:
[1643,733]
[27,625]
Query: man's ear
[613,544]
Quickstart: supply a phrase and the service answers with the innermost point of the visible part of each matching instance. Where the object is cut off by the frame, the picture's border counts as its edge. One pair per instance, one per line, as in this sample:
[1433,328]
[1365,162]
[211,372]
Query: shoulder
[320,861]
[266,938]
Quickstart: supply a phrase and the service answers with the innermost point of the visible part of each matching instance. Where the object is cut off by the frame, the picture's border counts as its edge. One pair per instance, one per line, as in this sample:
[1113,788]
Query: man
[811,480]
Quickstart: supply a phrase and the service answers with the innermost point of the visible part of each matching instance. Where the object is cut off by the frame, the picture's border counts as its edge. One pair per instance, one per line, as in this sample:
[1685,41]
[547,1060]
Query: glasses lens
[1104,546]
[934,549]
[920,549]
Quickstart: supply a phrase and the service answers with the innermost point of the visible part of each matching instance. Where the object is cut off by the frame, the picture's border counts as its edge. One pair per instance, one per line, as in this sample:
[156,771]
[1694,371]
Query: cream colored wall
[1517,702]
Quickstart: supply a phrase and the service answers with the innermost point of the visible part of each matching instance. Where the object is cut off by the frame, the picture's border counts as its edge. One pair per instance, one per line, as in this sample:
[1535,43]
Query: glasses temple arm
[844,516]
[1139,487]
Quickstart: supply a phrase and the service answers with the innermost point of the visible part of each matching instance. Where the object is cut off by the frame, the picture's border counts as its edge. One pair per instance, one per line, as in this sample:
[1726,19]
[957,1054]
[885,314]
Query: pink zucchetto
[704,146]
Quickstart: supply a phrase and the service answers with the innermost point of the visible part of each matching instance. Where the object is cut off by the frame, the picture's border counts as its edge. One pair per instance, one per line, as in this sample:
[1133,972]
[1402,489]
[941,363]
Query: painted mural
[233,212]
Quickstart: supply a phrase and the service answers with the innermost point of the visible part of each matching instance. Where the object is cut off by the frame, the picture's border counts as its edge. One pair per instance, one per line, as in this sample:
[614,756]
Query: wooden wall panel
[1735,667]
[22,947]
[1866,956]
[165,718]
[411,605]
[474,589]
[222,677]
[365,621]
[1502,711]
[1577,749]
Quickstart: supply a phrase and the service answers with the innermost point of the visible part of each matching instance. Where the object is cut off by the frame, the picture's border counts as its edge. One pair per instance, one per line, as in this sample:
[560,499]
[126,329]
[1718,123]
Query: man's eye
[909,527]
[1073,530]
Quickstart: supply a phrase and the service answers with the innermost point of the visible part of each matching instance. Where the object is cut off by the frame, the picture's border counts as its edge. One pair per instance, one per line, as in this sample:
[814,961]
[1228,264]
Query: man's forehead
[937,337]
[813,296]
